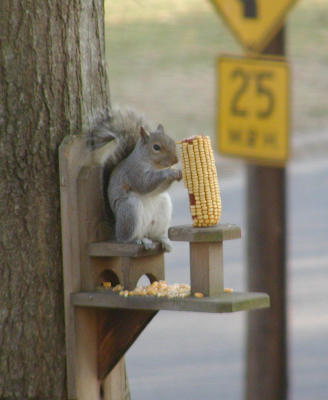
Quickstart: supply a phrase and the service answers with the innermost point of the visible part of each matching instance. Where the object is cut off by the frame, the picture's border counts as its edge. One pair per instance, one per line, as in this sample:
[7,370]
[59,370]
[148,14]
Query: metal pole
[266,247]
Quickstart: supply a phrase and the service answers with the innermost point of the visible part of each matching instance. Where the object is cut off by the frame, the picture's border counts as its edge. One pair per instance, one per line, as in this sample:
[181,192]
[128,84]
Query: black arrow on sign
[250,8]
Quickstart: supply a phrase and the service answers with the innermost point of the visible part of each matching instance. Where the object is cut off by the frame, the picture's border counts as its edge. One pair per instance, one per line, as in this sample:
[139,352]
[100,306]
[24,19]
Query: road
[188,356]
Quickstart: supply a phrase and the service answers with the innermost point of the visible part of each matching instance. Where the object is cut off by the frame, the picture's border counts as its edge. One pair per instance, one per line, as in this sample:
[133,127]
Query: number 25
[261,90]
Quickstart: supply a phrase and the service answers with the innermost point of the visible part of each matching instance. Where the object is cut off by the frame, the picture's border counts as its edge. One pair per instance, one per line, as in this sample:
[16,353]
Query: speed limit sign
[253,108]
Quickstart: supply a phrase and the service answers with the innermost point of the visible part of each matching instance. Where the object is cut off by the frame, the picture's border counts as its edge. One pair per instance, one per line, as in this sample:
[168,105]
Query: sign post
[266,248]
[253,124]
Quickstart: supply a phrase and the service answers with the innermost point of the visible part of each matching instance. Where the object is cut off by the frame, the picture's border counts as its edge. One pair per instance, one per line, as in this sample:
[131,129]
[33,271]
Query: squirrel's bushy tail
[123,127]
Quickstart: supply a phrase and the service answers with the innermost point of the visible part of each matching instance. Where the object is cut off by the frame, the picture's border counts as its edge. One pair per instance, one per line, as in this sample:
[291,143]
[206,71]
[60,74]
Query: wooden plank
[218,233]
[117,330]
[115,249]
[91,219]
[72,155]
[225,302]
[87,384]
[81,329]
[206,268]
[114,387]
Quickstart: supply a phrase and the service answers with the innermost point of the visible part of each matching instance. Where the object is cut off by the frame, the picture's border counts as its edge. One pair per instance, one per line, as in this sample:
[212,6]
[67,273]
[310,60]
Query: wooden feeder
[101,325]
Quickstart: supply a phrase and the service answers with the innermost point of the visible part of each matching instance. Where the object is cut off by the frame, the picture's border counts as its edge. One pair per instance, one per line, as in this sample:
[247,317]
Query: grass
[161,57]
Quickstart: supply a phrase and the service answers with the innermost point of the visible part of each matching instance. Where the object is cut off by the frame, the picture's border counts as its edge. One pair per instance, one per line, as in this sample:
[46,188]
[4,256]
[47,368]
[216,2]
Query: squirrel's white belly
[154,216]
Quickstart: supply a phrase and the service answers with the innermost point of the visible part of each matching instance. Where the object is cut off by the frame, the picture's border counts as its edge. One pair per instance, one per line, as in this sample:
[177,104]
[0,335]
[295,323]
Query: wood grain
[206,268]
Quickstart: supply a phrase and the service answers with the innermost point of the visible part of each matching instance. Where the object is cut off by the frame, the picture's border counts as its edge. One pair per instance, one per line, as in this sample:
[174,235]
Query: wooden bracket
[117,330]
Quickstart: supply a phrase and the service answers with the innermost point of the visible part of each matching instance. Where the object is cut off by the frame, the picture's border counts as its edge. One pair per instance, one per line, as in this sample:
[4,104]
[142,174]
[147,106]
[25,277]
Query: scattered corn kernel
[198,295]
[200,178]
[159,289]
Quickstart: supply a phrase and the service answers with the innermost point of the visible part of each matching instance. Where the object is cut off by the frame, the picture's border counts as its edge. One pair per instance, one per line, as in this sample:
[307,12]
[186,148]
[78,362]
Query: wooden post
[266,246]
[206,268]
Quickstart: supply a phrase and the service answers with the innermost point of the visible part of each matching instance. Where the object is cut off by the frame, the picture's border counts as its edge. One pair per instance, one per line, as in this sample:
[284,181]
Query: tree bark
[53,83]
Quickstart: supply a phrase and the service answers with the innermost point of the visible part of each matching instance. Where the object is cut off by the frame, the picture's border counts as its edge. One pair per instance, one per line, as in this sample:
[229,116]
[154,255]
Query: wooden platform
[217,233]
[223,303]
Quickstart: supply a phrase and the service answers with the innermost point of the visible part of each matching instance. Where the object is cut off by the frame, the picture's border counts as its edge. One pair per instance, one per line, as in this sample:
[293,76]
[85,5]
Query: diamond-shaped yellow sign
[254,22]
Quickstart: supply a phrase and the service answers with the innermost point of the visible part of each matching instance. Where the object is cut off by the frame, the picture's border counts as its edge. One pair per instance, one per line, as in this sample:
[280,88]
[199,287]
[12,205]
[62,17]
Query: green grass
[308,51]
[161,56]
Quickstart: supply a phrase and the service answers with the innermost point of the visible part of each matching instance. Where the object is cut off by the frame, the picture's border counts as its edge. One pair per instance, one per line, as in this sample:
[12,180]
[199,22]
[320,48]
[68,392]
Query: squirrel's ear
[160,128]
[144,135]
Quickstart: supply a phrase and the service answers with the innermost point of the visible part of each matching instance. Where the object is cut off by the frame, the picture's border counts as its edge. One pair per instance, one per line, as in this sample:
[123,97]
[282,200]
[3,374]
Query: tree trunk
[52,83]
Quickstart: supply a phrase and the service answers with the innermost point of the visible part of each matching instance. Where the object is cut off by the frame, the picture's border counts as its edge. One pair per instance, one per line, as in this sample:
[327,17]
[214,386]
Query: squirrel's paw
[166,244]
[148,244]
[176,174]
[179,175]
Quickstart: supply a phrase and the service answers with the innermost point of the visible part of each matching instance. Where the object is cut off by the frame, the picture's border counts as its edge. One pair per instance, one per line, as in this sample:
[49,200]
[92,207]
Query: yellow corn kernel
[199,295]
[200,179]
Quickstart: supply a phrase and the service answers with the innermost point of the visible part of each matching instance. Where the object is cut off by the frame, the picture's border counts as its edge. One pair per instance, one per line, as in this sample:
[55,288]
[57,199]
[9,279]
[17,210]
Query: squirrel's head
[160,148]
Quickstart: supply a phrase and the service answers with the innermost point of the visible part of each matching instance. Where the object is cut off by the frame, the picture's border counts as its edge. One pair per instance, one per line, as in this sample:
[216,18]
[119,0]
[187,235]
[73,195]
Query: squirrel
[136,176]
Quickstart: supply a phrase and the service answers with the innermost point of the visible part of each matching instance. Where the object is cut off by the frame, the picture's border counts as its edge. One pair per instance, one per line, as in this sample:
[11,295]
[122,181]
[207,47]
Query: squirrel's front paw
[177,174]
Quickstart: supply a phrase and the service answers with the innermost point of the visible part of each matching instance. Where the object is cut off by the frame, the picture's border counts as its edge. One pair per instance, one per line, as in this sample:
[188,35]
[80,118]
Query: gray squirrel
[136,176]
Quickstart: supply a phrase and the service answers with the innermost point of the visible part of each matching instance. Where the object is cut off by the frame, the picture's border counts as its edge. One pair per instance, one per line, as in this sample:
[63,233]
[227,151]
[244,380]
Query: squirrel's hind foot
[148,244]
[166,244]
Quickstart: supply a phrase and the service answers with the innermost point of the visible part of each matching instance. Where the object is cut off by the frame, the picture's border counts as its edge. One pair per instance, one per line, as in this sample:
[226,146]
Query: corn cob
[200,178]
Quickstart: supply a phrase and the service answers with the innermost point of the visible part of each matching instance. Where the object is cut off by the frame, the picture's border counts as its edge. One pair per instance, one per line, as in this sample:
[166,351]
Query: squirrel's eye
[156,147]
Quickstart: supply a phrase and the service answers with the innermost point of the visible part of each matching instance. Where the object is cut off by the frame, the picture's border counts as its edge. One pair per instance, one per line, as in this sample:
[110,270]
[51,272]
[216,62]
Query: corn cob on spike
[200,178]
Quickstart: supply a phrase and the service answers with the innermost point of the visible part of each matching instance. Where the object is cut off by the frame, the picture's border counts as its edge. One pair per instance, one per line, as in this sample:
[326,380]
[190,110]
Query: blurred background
[161,59]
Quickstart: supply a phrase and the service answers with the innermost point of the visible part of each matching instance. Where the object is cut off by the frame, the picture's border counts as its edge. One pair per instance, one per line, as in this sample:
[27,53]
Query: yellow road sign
[253,108]
[254,22]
